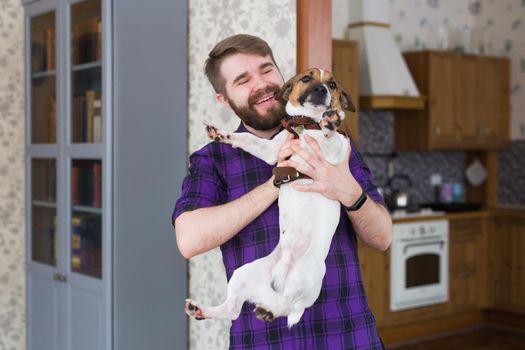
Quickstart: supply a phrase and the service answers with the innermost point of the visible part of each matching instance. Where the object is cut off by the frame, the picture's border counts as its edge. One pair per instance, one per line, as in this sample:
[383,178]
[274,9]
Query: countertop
[514,212]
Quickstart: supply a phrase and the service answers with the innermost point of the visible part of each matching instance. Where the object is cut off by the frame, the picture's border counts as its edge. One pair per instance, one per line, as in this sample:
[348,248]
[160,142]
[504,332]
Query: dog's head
[313,92]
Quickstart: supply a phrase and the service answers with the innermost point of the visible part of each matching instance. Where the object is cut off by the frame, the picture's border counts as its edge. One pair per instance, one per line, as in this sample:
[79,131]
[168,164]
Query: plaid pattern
[340,318]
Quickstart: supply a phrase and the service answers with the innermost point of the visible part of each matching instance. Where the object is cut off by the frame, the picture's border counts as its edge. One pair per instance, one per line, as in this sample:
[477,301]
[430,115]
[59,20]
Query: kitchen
[449,159]
[448,170]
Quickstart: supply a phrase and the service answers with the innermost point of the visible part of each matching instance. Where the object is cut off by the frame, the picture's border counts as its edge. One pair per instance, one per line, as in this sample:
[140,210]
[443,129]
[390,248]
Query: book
[74,186]
[97,118]
[97,184]
[90,98]
[50,48]
[52,133]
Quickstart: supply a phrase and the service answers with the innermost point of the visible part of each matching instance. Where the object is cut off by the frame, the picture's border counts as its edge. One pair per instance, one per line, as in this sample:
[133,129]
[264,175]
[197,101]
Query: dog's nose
[320,89]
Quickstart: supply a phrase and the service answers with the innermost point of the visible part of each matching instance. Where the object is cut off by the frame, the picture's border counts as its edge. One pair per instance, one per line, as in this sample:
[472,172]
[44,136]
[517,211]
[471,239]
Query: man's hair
[240,43]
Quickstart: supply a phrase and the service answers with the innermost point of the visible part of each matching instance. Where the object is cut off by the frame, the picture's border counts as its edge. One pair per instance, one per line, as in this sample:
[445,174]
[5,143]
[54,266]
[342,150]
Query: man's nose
[259,82]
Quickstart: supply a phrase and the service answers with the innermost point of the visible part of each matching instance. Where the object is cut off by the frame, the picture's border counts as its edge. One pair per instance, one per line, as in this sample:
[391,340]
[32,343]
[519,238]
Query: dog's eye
[306,79]
[332,85]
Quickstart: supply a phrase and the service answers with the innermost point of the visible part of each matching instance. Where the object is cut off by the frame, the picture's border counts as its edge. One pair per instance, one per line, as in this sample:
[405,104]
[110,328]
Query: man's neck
[265,134]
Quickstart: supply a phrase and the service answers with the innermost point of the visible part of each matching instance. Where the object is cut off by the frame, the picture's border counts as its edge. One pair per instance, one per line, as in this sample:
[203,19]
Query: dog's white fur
[289,279]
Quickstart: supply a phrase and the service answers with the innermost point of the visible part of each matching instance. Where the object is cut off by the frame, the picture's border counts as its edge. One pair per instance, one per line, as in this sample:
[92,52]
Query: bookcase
[105,155]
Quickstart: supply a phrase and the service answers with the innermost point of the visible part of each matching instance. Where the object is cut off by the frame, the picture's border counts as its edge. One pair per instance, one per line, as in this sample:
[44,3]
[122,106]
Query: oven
[419,264]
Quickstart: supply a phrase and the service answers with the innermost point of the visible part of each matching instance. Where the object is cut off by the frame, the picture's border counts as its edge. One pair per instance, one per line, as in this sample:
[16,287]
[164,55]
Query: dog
[288,280]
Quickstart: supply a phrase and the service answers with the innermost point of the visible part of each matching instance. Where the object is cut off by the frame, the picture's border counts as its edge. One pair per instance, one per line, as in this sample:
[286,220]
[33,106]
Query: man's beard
[251,117]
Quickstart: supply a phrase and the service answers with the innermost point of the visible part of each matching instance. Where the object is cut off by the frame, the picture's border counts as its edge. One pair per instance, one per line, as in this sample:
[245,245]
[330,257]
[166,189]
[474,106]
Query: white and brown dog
[289,279]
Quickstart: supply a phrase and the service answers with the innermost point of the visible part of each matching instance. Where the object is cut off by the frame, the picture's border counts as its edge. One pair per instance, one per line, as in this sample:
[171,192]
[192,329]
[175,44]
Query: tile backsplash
[377,144]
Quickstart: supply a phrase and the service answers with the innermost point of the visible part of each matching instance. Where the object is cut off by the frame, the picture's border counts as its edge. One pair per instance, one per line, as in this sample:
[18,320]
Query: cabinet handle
[437,130]
[60,278]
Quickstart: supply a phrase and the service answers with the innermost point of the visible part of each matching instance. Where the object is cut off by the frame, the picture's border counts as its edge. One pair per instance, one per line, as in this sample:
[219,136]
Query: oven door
[419,273]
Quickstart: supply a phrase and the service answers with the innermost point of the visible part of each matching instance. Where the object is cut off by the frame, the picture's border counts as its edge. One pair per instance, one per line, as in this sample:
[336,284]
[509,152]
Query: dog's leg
[329,123]
[264,149]
[250,282]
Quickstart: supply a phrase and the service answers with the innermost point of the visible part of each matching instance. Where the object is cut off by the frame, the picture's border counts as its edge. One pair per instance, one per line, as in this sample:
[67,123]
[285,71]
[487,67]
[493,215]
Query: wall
[12,228]
[210,22]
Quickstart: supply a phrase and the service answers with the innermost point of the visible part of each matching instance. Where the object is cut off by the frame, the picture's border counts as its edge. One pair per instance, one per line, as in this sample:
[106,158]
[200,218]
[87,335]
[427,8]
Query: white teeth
[264,99]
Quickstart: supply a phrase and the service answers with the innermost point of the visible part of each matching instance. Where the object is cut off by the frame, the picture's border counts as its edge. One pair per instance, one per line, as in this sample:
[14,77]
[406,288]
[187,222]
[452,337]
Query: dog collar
[300,122]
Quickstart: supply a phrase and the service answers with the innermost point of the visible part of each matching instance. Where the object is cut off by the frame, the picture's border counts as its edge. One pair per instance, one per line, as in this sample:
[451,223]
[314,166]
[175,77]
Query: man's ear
[222,100]
[284,94]
[346,102]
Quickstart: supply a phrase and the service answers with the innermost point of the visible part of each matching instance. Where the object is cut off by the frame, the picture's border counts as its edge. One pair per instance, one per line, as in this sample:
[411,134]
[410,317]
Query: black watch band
[358,203]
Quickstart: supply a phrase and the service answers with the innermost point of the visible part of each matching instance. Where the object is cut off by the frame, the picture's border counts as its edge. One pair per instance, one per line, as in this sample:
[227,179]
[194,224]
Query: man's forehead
[240,63]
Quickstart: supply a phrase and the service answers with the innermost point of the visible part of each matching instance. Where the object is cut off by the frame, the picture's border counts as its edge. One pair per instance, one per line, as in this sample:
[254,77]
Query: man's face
[251,84]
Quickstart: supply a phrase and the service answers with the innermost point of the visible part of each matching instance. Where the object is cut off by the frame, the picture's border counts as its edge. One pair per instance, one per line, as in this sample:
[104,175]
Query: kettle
[396,192]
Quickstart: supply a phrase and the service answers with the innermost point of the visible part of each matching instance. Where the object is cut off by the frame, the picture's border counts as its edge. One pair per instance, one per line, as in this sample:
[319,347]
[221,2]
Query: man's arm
[203,229]
[372,222]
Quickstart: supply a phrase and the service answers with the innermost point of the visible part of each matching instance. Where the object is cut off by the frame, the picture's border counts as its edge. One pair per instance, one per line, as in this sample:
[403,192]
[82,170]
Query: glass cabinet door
[43,79]
[86,217]
[86,75]
[44,211]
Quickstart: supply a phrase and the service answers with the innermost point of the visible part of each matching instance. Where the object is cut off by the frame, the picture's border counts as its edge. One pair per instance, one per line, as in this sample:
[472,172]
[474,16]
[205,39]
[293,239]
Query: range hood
[384,79]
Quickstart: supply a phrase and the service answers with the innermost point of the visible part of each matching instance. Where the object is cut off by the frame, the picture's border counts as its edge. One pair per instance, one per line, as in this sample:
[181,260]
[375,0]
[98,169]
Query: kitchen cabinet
[506,264]
[465,264]
[468,103]
[345,67]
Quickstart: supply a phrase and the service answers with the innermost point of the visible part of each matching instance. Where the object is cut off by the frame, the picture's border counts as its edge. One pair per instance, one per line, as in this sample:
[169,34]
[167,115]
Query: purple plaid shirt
[340,318]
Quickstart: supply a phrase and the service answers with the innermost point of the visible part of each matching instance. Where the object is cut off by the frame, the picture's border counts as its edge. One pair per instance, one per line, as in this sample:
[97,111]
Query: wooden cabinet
[345,66]
[375,270]
[506,264]
[465,264]
[468,103]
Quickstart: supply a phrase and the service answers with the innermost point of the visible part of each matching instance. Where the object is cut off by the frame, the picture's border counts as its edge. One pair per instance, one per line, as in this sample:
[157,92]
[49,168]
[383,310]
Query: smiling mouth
[264,99]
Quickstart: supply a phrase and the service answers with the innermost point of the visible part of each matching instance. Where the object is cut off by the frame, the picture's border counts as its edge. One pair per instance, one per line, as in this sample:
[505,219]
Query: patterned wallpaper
[210,22]
[415,24]
[12,228]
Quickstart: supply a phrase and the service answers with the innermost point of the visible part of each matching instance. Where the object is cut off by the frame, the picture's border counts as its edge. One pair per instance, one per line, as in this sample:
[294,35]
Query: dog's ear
[346,102]
[284,94]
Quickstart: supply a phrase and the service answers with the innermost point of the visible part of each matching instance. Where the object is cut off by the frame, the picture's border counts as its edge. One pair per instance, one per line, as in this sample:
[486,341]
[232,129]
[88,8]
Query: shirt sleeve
[202,187]
[362,174]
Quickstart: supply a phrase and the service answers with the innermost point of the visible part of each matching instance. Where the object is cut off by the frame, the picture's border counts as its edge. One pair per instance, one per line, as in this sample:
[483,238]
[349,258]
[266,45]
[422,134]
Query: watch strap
[358,203]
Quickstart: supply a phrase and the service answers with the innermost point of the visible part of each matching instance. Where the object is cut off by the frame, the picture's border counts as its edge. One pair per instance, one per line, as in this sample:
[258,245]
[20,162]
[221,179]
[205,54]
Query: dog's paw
[216,134]
[330,122]
[263,313]
[193,310]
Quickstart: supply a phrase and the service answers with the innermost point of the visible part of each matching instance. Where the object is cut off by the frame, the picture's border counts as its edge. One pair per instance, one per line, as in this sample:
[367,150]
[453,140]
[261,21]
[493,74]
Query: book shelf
[69,270]
[103,271]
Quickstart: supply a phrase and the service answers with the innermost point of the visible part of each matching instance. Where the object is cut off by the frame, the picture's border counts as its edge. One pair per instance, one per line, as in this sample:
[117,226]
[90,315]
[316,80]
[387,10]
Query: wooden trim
[314,34]
[505,319]
[392,102]
[431,327]
[373,24]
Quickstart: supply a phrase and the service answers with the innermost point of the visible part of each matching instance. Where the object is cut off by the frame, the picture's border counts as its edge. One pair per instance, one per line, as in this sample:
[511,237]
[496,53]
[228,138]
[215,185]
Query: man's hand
[287,149]
[332,181]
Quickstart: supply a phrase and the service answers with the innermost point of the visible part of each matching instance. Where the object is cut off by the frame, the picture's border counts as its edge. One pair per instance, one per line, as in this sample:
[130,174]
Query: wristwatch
[358,203]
